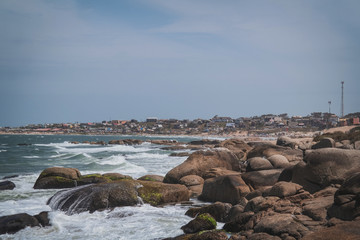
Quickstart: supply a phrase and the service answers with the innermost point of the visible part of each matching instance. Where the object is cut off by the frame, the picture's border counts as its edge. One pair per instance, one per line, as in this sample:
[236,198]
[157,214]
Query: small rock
[202,222]
[7,185]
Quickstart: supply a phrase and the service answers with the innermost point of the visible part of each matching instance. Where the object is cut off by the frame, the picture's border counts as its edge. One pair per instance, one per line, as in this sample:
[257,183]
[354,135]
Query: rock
[175,148]
[279,224]
[258,163]
[324,167]
[180,154]
[126,142]
[203,235]
[92,178]
[345,230]
[267,150]
[217,172]
[195,190]
[43,218]
[317,208]
[202,222]
[357,145]
[237,146]
[285,142]
[191,180]
[119,142]
[279,161]
[324,143]
[229,189]
[157,193]
[260,203]
[16,222]
[116,176]
[217,210]
[7,185]
[285,189]
[57,177]
[11,176]
[152,178]
[262,236]
[347,199]
[261,179]
[164,142]
[95,197]
[238,223]
[204,142]
[200,162]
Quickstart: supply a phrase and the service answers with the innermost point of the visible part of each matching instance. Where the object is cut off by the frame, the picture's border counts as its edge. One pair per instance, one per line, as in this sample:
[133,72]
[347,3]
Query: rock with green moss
[57,177]
[92,178]
[116,176]
[202,222]
[153,178]
[157,193]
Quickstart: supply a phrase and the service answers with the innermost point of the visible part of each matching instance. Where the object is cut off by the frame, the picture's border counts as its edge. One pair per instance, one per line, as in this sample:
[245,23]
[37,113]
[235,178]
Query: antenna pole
[342,99]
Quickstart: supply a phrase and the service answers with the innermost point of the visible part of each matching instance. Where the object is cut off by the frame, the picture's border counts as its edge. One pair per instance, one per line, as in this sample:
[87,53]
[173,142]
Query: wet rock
[347,199]
[324,167]
[152,178]
[11,176]
[262,236]
[204,142]
[229,189]
[16,222]
[126,142]
[92,178]
[324,143]
[175,148]
[258,163]
[217,210]
[261,179]
[7,185]
[43,218]
[202,222]
[116,176]
[164,142]
[57,177]
[200,162]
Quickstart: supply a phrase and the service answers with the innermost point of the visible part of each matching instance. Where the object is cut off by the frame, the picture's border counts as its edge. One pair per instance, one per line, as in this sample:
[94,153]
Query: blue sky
[88,60]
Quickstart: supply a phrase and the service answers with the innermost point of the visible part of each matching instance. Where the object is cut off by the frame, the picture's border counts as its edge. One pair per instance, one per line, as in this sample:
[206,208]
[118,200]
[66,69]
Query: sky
[89,60]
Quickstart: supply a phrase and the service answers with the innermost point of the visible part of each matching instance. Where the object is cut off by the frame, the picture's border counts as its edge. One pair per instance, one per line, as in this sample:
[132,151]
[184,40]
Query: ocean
[27,155]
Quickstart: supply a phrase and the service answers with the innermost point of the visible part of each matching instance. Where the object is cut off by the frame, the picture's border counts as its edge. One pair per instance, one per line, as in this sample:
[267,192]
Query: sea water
[27,155]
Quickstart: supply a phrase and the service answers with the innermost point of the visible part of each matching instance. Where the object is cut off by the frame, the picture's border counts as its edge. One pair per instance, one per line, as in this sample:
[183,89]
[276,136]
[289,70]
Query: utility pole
[342,99]
[329,102]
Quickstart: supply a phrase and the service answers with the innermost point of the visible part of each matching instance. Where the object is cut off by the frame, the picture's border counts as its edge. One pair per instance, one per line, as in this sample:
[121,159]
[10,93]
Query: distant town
[265,125]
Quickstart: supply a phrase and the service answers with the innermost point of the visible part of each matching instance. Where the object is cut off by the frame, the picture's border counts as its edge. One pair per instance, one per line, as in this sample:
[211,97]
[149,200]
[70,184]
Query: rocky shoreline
[260,190]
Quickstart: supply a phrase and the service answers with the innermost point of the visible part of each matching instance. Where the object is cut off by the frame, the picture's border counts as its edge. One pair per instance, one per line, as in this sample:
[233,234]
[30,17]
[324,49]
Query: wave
[34,156]
[113,160]
[147,156]
[3,150]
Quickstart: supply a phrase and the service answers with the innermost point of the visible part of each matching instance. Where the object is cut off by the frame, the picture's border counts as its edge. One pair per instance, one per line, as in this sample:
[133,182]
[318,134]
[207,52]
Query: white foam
[34,156]
[3,150]
[113,160]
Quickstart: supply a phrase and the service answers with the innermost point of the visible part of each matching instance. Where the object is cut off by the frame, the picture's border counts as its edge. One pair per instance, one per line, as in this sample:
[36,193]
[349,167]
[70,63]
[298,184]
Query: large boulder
[57,177]
[267,149]
[202,222]
[200,162]
[317,208]
[258,163]
[217,172]
[153,178]
[229,189]
[261,179]
[157,193]
[16,222]
[324,167]
[347,199]
[96,197]
[7,185]
[324,143]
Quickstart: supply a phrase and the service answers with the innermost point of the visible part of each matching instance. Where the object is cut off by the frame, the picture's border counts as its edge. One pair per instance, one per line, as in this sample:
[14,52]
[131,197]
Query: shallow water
[139,222]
